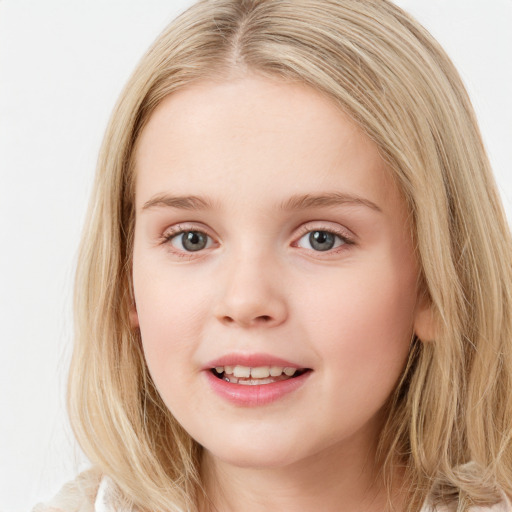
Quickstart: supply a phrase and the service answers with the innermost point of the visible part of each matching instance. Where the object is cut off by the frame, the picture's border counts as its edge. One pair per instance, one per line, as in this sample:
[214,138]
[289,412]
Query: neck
[335,480]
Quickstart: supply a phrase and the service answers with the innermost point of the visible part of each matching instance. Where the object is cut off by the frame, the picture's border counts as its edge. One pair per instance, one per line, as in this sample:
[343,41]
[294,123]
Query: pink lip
[251,360]
[257,395]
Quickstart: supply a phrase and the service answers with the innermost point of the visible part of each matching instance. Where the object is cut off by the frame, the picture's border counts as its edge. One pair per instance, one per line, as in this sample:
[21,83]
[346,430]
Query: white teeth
[241,371]
[261,372]
[255,382]
[275,371]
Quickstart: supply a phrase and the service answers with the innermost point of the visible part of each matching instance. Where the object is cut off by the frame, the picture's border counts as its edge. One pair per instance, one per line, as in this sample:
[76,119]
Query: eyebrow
[296,202]
[305,201]
[180,202]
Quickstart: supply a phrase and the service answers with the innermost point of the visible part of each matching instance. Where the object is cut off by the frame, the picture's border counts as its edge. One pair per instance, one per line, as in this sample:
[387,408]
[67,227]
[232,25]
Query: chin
[256,455]
[258,460]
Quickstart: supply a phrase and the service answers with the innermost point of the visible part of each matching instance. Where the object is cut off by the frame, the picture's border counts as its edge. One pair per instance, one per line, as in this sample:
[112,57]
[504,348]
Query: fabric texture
[91,492]
[77,496]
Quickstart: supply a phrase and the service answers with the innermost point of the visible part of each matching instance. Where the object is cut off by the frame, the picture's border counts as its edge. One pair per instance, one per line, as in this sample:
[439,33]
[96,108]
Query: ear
[424,320]
[134,317]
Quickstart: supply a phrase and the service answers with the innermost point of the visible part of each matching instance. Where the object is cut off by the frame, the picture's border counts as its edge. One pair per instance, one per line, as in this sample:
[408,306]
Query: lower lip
[254,395]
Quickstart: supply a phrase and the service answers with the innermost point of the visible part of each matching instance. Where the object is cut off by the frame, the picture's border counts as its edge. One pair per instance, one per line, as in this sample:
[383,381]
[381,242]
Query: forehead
[252,135]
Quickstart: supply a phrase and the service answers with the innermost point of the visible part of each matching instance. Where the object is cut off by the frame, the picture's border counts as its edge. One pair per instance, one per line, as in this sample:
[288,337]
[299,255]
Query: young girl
[295,284]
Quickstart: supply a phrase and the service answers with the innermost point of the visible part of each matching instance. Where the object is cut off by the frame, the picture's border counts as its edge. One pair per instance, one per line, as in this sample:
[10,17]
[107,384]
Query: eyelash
[304,230]
[175,232]
[342,235]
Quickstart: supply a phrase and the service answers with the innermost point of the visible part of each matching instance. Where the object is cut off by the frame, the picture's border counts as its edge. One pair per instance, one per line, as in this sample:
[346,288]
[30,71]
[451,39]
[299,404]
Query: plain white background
[62,66]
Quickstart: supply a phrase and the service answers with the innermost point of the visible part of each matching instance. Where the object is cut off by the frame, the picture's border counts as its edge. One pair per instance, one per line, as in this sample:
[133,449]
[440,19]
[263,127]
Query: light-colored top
[91,493]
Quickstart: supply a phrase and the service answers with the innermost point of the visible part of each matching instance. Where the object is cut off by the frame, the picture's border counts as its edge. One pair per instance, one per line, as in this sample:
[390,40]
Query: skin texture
[246,146]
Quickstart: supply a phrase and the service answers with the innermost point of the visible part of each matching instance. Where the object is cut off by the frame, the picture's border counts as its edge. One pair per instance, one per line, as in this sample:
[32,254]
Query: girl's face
[270,239]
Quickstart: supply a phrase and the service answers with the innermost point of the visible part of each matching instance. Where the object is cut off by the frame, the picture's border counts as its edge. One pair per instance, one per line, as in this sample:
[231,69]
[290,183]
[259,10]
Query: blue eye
[191,241]
[320,240]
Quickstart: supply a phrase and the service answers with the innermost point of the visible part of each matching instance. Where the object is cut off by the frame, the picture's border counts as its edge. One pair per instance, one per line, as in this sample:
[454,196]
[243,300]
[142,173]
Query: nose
[252,294]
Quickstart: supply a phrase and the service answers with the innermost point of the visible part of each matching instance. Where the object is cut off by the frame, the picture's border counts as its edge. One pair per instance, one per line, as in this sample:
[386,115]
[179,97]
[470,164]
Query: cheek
[364,325]
[169,315]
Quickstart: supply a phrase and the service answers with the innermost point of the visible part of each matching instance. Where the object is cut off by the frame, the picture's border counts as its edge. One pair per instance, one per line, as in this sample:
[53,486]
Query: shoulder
[89,492]
[504,505]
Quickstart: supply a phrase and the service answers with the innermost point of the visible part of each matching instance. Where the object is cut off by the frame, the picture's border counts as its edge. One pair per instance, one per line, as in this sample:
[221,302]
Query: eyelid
[343,233]
[174,231]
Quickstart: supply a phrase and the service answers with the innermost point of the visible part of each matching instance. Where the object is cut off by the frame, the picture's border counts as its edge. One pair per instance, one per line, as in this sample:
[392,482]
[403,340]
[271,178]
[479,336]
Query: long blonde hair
[449,421]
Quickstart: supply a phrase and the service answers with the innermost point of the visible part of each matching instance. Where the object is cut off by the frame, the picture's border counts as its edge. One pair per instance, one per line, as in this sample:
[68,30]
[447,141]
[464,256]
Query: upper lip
[251,360]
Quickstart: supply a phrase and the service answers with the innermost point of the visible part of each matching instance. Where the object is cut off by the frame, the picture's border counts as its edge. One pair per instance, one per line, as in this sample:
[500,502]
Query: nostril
[263,319]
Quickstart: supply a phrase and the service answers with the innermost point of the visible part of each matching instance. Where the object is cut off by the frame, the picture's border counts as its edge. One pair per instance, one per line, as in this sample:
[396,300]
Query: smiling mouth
[257,376]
